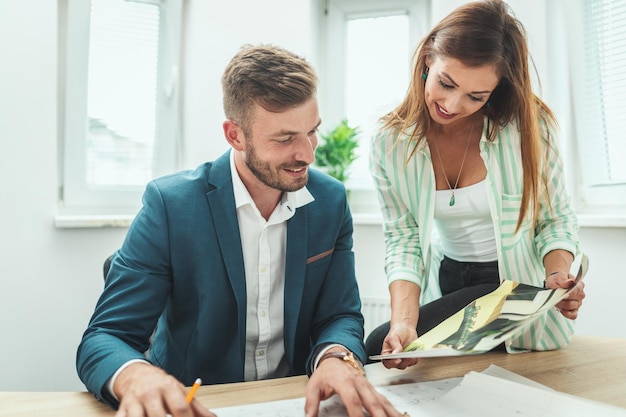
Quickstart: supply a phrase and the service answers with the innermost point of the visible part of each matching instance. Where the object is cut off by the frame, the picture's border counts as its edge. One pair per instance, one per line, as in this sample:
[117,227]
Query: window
[120,76]
[366,51]
[376,57]
[601,104]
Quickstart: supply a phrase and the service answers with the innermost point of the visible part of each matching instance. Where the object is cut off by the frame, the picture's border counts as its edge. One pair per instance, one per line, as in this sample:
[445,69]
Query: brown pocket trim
[320,256]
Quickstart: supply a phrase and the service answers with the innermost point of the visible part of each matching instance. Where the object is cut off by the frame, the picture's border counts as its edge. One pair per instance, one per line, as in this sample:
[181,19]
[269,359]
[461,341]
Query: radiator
[376,311]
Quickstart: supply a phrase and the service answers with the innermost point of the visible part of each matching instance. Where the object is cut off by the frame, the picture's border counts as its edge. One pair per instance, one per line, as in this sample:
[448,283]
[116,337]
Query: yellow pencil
[193,390]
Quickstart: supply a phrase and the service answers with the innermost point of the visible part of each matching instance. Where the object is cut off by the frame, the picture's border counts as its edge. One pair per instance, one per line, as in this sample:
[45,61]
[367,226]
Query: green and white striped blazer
[406,193]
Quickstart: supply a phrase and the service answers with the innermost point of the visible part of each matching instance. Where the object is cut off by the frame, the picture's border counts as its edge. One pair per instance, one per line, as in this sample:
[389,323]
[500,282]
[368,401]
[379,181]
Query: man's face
[280,146]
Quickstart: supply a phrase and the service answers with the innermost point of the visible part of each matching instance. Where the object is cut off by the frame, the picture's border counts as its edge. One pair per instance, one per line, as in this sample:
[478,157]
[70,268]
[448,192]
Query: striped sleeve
[403,249]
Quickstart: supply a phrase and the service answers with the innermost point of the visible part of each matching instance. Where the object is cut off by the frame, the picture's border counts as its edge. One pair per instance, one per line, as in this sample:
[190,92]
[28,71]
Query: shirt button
[262,313]
[261,353]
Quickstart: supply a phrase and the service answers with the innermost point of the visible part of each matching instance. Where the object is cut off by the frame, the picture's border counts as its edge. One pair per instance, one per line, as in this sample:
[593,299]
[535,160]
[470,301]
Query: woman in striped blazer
[471,184]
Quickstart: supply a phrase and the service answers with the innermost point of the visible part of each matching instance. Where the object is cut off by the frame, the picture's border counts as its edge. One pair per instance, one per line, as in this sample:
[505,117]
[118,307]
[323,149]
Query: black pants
[460,283]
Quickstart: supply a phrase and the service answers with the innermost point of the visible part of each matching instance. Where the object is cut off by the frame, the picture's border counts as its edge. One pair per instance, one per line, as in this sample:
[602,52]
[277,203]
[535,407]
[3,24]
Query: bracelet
[347,357]
[545,281]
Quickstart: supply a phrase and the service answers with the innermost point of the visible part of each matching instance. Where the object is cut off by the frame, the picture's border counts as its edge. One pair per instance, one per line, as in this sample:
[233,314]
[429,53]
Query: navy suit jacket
[181,264]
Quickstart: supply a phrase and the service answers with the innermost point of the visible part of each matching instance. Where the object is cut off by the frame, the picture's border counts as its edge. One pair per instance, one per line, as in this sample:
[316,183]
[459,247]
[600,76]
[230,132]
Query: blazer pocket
[319,256]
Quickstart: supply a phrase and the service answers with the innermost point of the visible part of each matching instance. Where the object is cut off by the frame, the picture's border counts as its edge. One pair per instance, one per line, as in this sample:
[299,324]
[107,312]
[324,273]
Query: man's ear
[233,134]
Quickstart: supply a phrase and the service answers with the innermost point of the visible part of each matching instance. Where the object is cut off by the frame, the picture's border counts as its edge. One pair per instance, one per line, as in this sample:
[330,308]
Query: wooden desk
[593,368]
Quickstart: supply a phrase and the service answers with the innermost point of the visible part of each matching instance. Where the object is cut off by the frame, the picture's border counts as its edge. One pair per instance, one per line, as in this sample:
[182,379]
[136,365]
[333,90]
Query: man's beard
[271,176]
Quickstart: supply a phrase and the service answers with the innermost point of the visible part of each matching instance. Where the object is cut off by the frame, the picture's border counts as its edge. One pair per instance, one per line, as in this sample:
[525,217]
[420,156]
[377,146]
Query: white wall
[51,278]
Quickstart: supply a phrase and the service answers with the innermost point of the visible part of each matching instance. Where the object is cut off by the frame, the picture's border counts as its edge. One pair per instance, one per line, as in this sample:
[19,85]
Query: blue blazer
[181,264]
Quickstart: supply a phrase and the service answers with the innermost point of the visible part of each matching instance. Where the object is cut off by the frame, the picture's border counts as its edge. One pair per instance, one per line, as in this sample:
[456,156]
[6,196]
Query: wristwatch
[347,357]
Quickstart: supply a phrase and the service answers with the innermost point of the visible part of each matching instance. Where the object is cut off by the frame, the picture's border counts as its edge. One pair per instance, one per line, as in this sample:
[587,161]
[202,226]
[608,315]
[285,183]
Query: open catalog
[487,321]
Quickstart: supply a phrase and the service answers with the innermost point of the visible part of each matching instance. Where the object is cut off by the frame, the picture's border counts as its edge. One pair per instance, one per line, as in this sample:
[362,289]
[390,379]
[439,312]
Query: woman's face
[454,91]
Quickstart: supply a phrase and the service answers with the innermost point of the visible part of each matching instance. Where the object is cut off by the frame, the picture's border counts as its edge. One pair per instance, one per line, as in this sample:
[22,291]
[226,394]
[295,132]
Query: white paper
[493,392]
[403,397]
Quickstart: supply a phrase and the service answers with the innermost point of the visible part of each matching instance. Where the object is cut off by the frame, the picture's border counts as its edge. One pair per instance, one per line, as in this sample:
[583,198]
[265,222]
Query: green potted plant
[336,150]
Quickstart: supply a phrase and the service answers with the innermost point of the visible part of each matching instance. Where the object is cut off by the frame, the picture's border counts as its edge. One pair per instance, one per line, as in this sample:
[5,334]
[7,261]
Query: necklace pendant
[452,200]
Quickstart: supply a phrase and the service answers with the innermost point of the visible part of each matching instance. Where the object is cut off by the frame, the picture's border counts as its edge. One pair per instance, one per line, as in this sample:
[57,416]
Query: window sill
[358,218]
[65,221]
[367,218]
[100,221]
[602,220]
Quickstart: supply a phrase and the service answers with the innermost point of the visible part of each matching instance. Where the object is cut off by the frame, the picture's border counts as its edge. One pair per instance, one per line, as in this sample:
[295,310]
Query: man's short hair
[267,75]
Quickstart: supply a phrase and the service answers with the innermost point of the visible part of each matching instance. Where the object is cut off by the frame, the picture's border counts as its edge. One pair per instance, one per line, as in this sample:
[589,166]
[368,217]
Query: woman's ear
[233,134]
[428,61]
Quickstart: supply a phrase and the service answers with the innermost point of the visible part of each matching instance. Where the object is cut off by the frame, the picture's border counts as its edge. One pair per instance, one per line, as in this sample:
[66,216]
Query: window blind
[122,92]
[603,140]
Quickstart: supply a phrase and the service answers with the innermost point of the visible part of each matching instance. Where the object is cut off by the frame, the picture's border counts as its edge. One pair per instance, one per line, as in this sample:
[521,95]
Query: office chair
[107,266]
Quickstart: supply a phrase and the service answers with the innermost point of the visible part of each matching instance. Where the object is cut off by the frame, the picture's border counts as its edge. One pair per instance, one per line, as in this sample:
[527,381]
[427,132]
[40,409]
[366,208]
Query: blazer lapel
[295,270]
[222,209]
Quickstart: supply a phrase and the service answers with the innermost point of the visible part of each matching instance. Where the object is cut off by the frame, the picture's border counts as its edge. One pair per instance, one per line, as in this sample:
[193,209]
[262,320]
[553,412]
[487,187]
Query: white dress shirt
[264,250]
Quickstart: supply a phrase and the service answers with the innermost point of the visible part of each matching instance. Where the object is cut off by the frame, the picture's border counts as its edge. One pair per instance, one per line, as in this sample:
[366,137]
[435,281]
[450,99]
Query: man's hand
[146,391]
[570,305]
[398,337]
[335,376]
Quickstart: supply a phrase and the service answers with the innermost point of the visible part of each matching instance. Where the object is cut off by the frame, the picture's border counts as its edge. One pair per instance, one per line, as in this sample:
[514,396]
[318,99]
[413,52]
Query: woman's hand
[560,261]
[570,305]
[399,336]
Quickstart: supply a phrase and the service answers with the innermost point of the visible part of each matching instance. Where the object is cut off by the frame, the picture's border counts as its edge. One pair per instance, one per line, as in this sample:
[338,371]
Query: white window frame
[109,204]
[602,205]
[333,19]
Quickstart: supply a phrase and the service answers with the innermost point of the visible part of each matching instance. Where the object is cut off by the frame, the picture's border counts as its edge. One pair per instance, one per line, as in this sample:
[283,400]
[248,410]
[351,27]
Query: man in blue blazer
[246,264]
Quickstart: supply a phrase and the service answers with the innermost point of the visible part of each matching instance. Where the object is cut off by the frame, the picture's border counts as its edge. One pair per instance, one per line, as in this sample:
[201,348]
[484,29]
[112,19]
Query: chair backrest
[107,266]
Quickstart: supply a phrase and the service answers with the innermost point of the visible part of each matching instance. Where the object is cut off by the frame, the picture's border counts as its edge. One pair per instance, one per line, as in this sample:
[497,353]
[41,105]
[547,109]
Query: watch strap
[347,357]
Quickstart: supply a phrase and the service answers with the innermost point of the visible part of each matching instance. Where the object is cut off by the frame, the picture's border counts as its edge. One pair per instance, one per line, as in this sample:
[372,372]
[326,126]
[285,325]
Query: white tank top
[466,229]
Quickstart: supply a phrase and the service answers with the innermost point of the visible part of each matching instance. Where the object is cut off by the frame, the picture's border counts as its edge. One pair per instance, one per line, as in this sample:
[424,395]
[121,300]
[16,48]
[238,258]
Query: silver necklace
[452,199]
